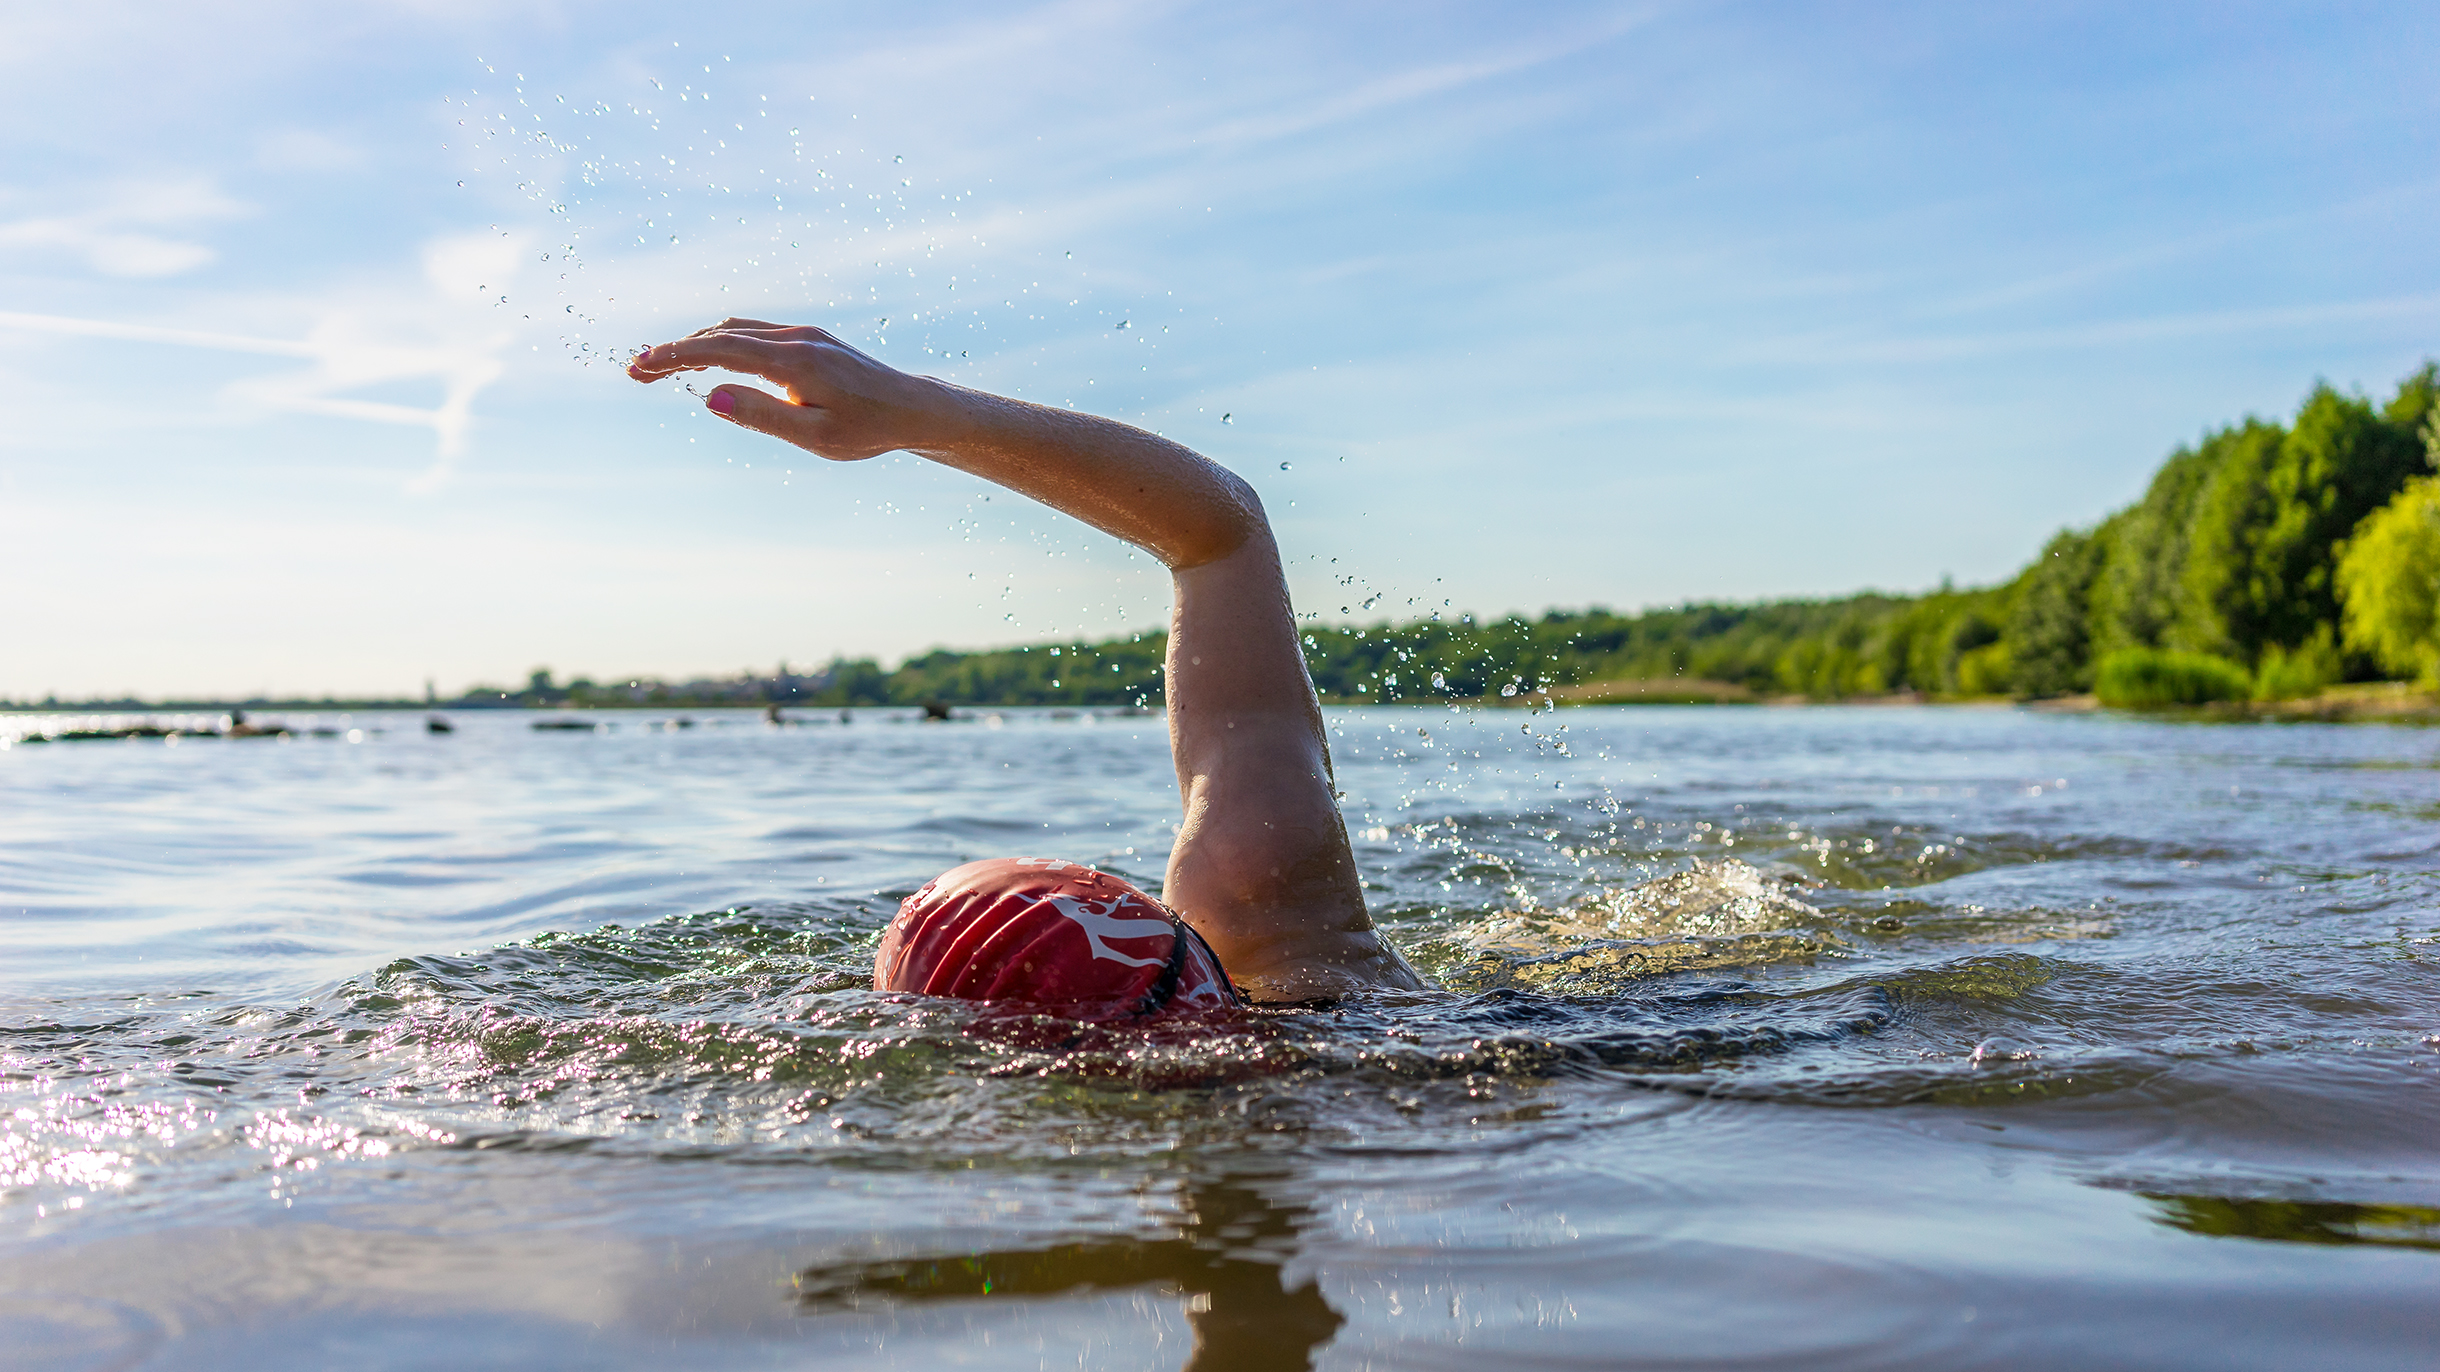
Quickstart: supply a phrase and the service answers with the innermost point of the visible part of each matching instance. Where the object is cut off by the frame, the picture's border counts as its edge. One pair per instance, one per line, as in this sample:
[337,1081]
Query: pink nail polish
[721,402]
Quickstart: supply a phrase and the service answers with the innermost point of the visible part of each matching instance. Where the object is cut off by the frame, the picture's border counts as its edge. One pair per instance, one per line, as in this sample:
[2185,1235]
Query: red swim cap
[1053,934]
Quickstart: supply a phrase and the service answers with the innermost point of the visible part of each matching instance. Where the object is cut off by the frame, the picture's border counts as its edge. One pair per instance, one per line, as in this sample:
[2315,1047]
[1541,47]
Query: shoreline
[2395,702]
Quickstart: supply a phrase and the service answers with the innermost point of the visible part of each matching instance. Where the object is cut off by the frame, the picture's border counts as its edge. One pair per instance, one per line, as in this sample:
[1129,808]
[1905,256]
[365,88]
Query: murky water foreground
[1817,1038]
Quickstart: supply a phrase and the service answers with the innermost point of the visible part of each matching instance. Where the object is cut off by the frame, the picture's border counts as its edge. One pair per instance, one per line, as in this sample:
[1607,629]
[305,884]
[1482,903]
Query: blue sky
[1501,307]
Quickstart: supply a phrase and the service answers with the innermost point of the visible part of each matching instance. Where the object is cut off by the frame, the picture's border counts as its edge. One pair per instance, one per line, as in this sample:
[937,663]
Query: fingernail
[721,402]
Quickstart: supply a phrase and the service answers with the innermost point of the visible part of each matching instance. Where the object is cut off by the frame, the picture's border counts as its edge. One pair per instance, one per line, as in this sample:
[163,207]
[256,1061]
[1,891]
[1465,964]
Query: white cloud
[461,265]
[114,235]
[304,150]
[382,337]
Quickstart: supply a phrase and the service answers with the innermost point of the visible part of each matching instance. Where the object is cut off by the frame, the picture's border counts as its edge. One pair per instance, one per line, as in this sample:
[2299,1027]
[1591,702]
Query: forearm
[1161,496]
[845,406]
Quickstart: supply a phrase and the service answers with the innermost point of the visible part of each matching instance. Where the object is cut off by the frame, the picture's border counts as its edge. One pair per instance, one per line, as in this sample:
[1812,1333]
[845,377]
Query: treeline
[2268,559]
[2287,556]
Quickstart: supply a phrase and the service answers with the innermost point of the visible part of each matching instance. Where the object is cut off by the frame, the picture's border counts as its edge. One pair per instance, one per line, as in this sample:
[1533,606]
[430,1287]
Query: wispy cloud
[2100,333]
[351,350]
[126,231]
[306,150]
[1407,87]
[151,333]
[2182,247]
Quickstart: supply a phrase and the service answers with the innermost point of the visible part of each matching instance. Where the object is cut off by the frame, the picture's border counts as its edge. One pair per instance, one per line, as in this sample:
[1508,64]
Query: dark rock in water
[435,724]
[936,712]
[578,726]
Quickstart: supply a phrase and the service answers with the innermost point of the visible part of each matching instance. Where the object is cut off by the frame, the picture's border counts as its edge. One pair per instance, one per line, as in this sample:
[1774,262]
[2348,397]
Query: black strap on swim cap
[1167,986]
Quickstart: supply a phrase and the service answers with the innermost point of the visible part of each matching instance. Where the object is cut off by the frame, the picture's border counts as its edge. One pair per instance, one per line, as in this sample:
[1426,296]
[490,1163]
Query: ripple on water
[2212,1015]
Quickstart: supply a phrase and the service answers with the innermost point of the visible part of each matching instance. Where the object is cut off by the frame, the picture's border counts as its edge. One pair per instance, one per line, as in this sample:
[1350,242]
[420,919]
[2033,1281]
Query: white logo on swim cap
[1098,924]
[1204,993]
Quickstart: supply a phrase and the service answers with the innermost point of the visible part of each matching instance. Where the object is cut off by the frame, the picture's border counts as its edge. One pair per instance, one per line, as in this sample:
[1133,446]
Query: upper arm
[1262,864]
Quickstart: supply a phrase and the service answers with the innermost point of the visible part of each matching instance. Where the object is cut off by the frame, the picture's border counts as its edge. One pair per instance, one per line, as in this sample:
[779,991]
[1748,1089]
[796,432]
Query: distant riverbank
[2379,702]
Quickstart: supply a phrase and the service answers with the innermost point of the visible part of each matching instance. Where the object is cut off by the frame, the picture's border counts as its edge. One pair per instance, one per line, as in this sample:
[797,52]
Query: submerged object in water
[240,727]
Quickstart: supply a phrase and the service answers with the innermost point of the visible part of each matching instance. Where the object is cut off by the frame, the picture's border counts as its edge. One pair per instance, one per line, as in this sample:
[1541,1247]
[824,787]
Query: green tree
[2390,581]
[2340,462]
[2050,629]
[2136,596]
[2223,604]
[2262,559]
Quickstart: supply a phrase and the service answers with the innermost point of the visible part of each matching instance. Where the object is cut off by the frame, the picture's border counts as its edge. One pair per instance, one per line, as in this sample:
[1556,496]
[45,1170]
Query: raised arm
[1262,867]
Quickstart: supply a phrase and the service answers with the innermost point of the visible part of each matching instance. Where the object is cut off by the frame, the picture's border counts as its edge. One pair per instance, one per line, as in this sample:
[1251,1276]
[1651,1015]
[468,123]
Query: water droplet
[1226,420]
[2000,1049]
[1122,323]
[900,158]
[1283,466]
[461,184]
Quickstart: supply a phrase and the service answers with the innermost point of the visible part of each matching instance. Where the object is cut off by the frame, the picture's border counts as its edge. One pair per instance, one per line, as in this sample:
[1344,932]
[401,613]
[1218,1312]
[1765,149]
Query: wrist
[948,417]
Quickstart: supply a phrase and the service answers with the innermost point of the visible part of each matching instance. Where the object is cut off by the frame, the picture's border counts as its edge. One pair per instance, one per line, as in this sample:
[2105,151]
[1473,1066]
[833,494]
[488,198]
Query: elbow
[1231,518]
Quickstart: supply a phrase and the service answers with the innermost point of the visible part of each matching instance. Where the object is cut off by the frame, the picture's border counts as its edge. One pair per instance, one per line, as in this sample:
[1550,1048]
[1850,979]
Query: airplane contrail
[148,333]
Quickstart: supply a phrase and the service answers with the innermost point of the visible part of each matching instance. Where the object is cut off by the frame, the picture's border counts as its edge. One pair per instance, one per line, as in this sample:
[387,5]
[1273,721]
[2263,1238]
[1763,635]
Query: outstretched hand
[837,403]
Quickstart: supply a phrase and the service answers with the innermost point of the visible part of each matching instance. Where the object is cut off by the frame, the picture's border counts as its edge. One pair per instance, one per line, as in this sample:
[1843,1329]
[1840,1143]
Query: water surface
[1768,1038]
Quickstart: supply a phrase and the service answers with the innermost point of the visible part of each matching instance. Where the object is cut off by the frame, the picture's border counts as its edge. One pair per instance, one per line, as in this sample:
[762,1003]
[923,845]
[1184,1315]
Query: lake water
[1819,1038]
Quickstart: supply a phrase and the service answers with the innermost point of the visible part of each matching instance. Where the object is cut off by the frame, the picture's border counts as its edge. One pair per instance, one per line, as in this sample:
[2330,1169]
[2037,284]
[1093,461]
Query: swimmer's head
[1067,938]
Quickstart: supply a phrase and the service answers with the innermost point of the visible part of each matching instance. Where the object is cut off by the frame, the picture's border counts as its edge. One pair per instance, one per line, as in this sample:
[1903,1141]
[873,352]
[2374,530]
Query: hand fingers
[736,352]
[763,413]
[759,328]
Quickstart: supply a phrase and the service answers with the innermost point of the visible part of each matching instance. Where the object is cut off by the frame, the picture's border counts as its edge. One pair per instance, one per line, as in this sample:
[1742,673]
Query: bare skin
[1262,867]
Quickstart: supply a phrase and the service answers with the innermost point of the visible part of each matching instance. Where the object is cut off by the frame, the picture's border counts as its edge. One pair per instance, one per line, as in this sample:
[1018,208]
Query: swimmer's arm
[1262,866]
[1161,496]
[1263,839]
